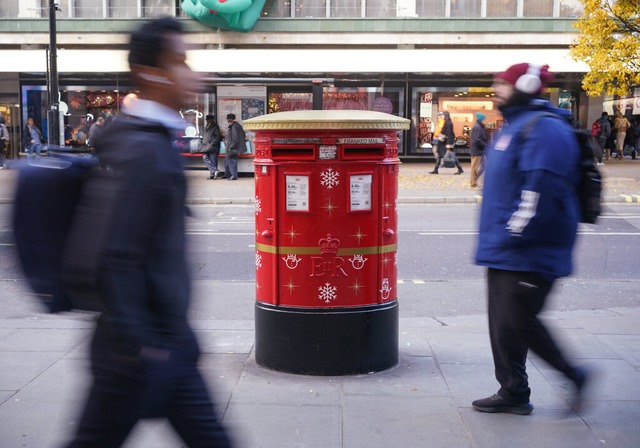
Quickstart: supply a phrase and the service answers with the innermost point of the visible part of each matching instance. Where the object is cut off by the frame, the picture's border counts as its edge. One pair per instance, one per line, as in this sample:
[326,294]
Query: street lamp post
[54,101]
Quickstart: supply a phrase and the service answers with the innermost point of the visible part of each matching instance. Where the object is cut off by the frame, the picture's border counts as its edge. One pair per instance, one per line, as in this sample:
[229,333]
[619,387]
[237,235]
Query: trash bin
[326,241]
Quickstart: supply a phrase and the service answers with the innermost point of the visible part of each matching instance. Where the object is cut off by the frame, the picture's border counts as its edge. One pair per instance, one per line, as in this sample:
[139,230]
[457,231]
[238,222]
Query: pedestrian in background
[528,224]
[235,146]
[144,353]
[4,139]
[95,129]
[446,139]
[32,138]
[211,146]
[631,140]
[602,136]
[479,141]
[620,124]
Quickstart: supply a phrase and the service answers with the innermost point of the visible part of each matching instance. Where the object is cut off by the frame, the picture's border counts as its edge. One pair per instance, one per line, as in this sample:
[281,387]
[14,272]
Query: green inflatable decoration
[237,15]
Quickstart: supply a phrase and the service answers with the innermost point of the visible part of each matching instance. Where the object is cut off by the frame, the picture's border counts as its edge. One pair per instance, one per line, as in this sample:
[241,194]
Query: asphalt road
[436,273]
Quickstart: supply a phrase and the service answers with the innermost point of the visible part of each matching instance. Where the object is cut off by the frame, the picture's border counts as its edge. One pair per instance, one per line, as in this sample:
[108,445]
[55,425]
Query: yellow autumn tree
[609,43]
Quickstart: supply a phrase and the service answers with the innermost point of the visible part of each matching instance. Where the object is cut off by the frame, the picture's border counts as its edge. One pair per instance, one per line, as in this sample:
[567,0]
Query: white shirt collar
[153,111]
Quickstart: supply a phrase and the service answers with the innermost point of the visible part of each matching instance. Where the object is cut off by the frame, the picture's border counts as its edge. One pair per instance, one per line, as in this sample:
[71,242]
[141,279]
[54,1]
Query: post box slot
[362,152]
[293,152]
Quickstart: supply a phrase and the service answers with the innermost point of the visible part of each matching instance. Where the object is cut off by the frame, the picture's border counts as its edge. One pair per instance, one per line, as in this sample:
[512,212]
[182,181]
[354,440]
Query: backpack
[589,189]
[596,128]
[47,195]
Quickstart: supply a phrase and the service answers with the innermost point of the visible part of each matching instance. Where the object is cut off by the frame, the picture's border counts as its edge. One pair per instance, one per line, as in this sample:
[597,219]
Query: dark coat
[142,278]
[235,141]
[447,131]
[211,139]
[479,139]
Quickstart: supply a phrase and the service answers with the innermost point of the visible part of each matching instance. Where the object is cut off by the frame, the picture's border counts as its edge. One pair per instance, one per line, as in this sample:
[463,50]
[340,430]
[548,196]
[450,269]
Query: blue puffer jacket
[530,211]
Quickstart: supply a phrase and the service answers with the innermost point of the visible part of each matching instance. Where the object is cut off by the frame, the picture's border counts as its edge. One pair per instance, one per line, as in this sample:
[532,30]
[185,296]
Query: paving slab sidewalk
[445,363]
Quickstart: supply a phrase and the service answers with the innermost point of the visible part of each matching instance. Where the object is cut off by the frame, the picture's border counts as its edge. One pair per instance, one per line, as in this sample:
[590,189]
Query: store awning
[306,61]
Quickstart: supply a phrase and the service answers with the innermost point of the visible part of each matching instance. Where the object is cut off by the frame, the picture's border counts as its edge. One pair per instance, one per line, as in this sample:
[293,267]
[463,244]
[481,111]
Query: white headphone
[530,82]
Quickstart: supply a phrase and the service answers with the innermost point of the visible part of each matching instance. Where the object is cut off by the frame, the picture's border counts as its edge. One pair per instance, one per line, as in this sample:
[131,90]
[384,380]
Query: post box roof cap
[327,119]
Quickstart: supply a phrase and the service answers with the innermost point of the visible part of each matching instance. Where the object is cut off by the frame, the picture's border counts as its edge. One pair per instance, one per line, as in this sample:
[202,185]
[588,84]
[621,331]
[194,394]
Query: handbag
[449,159]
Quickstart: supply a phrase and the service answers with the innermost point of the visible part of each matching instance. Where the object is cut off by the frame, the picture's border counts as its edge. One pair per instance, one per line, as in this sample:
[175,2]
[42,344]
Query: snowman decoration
[358,261]
[291,261]
[386,289]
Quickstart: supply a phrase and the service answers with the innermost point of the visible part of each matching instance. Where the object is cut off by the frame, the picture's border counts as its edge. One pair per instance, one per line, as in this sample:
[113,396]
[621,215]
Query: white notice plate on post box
[328,152]
[360,192]
[297,193]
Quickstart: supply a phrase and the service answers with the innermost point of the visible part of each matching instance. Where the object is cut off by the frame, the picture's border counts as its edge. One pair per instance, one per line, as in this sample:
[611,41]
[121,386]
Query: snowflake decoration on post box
[327,292]
[258,205]
[258,260]
[330,178]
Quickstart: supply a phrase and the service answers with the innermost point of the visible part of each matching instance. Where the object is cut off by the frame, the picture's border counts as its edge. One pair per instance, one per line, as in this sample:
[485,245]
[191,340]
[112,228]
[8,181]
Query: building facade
[411,58]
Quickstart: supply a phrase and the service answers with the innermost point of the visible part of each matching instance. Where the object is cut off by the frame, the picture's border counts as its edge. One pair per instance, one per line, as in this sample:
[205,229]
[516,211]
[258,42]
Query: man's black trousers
[515,299]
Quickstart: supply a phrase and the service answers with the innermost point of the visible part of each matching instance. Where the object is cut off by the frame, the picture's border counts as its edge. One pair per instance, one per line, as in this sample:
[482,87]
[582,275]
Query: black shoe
[495,403]
[459,172]
[433,172]
[211,176]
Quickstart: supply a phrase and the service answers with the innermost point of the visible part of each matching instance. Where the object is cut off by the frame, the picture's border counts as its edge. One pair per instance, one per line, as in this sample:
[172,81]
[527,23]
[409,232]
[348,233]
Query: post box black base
[338,341]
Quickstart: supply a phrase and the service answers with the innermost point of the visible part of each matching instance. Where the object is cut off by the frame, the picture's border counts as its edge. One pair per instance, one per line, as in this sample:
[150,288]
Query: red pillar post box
[326,241]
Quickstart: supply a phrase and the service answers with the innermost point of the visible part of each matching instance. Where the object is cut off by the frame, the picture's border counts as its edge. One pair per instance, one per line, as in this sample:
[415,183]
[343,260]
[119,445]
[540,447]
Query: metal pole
[54,114]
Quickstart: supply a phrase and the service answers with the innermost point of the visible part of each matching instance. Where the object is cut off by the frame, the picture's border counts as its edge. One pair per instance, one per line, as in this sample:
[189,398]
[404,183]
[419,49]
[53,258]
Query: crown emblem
[329,245]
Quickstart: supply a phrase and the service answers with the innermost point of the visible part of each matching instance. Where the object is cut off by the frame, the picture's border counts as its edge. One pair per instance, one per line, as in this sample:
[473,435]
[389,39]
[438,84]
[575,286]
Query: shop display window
[389,100]
[462,104]
[290,101]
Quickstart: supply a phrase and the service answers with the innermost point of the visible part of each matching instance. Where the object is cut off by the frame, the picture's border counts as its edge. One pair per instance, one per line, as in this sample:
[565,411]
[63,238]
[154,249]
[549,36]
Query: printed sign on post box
[360,192]
[297,193]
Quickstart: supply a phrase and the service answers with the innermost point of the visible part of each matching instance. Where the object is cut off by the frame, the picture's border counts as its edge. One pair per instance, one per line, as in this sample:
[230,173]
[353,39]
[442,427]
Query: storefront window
[381,8]
[538,8]
[311,8]
[289,101]
[346,8]
[461,105]
[465,8]
[502,8]
[277,8]
[81,107]
[363,98]
[430,8]
[571,8]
